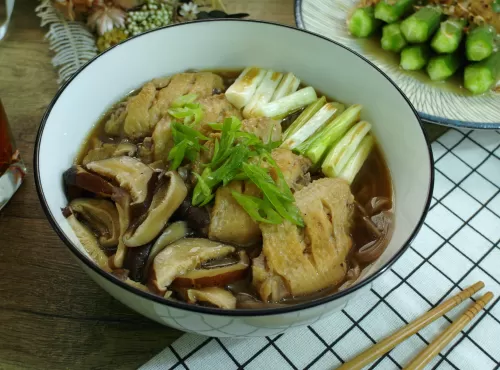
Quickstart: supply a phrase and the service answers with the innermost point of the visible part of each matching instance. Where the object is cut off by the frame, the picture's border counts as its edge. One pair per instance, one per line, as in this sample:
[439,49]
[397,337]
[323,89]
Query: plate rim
[427,118]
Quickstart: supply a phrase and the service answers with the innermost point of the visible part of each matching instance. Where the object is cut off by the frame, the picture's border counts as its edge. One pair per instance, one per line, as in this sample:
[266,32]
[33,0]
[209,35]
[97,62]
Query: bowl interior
[229,44]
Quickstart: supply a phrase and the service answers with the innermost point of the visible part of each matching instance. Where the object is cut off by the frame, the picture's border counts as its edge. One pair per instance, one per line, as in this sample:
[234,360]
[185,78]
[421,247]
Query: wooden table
[52,316]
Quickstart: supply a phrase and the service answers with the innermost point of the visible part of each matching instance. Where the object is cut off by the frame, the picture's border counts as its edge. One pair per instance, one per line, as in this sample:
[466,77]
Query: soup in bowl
[251,182]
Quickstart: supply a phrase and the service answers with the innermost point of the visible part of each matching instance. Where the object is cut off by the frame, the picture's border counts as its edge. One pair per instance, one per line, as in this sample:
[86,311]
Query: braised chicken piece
[216,108]
[229,221]
[303,261]
[139,114]
[206,84]
[294,168]
[137,121]
[266,129]
[202,84]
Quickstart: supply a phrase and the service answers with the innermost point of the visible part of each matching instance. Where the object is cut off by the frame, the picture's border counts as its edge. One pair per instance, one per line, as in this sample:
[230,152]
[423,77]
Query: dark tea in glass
[12,169]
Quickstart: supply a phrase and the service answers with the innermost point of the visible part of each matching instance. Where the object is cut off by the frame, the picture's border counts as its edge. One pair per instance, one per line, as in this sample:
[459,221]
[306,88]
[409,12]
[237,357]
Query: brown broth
[373,180]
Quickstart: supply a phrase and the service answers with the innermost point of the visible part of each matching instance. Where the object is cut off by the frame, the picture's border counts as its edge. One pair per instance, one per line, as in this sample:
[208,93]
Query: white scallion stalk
[284,106]
[242,90]
[343,150]
[289,84]
[317,146]
[304,117]
[263,94]
[357,160]
[327,113]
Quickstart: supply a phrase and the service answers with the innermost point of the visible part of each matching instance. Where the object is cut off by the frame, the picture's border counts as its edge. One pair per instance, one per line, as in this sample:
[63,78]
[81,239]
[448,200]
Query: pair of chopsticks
[424,357]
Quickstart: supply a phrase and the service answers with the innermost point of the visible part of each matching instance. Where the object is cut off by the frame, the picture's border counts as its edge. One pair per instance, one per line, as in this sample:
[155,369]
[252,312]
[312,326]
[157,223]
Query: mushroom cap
[130,173]
[181,257]
[165,201]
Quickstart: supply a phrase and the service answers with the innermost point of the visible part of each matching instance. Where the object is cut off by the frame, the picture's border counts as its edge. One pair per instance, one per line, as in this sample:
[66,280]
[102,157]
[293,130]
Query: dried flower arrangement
[80,29]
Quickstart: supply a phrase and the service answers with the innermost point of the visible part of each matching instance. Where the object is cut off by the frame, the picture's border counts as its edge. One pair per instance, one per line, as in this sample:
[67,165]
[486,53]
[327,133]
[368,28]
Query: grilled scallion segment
[343,150]
[415,57]
[420,26]
[363,22]
[479,43]
[289,84]
[263,94]
[448,36]
[392,38]
[443,66]
[284,106]
[328,112]
[357,160]
[480,77]
[391,12]
[242,90]
[318,144]
[304,117]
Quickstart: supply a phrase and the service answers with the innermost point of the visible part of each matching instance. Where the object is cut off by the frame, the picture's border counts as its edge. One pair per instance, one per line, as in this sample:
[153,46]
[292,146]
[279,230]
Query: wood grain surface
[52,316]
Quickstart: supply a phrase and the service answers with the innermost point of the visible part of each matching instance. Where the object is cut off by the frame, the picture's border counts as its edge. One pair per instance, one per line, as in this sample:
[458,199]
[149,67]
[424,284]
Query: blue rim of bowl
[209,310]
[427,118]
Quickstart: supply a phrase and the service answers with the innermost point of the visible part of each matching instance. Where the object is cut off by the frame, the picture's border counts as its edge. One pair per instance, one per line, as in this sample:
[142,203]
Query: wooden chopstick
[424,357]
[392,341]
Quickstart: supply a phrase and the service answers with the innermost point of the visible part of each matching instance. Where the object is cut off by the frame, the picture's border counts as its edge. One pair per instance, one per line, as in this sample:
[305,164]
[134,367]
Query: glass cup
[12,169]
[6,8]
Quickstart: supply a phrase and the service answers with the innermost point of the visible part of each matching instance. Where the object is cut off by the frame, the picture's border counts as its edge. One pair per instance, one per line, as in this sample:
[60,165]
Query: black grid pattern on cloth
[458,245]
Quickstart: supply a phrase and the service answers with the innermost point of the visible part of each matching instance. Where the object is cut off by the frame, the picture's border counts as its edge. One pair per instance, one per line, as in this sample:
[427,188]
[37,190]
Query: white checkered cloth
[457,246]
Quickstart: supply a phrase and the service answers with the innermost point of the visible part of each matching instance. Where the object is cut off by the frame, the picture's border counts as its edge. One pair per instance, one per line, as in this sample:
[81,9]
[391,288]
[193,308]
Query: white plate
[450,107]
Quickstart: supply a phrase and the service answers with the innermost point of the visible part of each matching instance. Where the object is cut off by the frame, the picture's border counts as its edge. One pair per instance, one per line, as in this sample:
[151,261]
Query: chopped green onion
[183,100]
[224,174]
[180,112]
[273,193]
[317,145]
[260,210]
[284,106]
[190,113]
[242,90]
[304,117]
[233,164]
[189,132]
[496,6]
[340,154]
[260,177]
[281,182]
[357,160]
[186,142]
[328,112]
[235,124]
[263,94]
[289,84]
[177,154]
[224,146]
[204,188]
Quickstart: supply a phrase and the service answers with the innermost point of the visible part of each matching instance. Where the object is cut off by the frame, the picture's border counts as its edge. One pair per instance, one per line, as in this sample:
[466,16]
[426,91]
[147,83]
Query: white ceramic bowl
[325,65]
